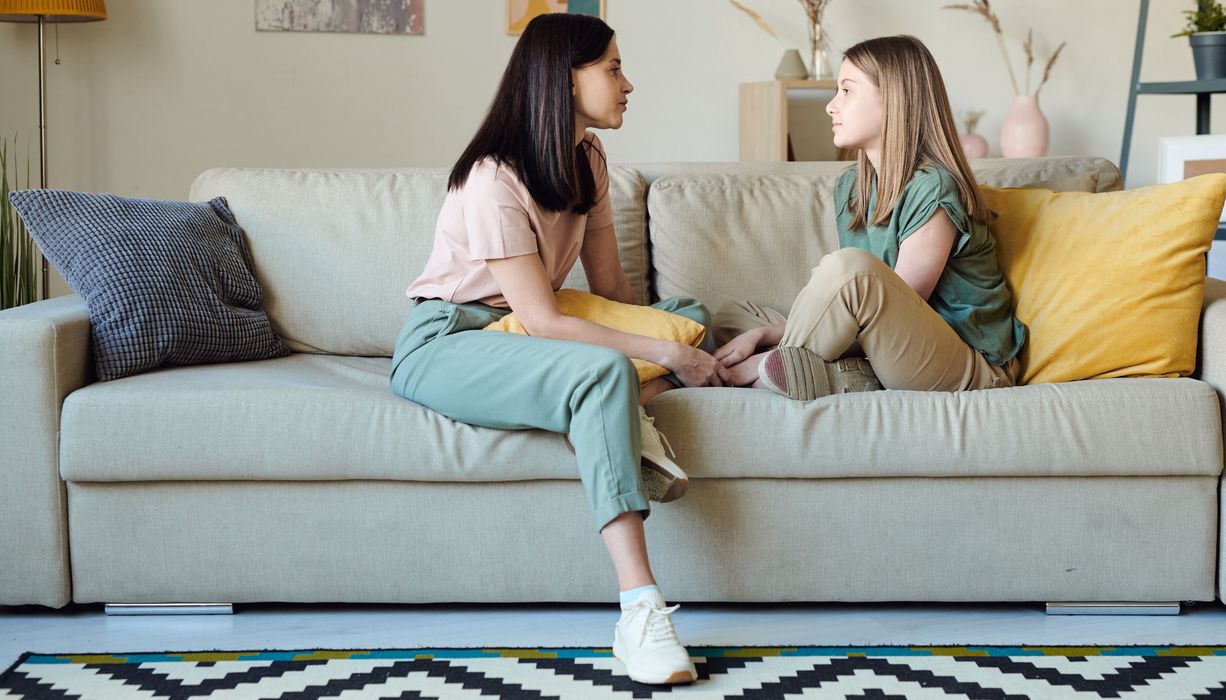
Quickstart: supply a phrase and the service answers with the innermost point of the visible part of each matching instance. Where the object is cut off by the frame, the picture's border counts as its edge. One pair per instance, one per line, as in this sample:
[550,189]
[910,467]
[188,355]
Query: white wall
[166,88]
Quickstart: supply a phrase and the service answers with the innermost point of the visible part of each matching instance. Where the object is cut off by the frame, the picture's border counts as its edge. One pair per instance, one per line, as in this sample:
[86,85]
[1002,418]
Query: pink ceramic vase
[974,145]
[1024,131]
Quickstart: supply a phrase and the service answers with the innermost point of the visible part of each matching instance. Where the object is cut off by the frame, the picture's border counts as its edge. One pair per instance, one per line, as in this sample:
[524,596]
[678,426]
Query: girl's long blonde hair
[918,128]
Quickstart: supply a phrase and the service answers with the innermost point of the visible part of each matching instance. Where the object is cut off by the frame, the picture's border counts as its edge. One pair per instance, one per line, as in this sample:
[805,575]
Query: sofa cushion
[1062,173]
[317,417]
[335,249]
[1110,284]
[306,416]
[1112,427]
[754,231]
[167,283]
[628,318]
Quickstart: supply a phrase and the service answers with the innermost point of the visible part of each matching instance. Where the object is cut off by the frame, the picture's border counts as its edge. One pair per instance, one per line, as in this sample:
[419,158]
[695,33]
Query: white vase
[820,64]
[1024,131]
[974,145]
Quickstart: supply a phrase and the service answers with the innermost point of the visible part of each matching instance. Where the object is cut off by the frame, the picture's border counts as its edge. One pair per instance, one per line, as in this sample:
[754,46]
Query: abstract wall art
[521,12]
[352,16]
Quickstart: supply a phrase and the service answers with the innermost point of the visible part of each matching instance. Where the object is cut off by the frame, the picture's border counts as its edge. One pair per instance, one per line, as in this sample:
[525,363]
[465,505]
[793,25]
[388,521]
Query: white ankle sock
[628,597]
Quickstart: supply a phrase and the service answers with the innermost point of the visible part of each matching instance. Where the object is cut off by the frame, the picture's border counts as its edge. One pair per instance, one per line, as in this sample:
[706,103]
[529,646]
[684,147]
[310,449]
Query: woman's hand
[694,367]
[739,348]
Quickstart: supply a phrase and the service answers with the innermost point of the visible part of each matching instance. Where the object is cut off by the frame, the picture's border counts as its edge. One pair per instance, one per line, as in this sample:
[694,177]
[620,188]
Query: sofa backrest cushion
[334,250]
[734,231]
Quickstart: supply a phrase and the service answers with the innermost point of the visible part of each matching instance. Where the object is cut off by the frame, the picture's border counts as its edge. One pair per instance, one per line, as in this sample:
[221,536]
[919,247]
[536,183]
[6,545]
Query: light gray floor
[87,629]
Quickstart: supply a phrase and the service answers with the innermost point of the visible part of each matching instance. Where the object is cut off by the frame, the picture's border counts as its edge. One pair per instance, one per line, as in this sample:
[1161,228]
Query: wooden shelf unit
[764,116]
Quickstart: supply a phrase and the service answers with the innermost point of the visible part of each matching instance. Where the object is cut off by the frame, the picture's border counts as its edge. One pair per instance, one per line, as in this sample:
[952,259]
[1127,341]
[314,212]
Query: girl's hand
[739,348]
[694,367]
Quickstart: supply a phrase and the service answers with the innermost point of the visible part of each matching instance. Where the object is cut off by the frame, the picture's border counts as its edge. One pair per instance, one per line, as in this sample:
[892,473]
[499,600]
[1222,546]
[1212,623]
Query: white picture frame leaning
[1181,157]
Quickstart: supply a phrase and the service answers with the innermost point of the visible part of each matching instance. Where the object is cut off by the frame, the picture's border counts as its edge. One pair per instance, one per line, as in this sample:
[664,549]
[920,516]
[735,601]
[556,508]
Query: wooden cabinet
[764,116]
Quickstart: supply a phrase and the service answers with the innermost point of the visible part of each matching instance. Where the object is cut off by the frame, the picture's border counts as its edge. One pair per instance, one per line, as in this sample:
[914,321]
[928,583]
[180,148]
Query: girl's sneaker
[802,375]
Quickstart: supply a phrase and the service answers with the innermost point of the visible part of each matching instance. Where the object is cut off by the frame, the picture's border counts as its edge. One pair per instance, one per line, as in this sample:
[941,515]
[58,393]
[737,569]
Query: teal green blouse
[971,294]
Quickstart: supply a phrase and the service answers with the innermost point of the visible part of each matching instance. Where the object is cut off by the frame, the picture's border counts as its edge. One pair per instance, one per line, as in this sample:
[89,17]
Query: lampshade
[52,10]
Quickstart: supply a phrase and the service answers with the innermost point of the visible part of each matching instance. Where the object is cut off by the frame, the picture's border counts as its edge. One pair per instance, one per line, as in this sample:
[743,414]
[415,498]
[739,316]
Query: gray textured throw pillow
[167,283]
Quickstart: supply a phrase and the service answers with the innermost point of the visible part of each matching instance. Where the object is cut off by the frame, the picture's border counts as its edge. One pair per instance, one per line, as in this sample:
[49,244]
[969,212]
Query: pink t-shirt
[494,216]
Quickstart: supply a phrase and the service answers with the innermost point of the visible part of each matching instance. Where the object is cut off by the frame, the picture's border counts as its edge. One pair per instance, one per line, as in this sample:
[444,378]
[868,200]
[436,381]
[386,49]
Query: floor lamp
[42,12]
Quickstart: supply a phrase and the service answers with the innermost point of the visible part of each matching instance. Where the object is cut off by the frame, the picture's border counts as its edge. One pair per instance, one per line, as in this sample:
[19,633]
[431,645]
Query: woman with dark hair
[527,199]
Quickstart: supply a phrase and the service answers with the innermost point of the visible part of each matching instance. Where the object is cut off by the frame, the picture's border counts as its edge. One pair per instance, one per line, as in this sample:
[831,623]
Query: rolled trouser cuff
[606,512]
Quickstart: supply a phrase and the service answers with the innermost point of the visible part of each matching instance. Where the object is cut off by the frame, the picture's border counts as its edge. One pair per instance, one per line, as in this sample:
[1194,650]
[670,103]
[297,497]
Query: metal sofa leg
[1113,608]
[169,609]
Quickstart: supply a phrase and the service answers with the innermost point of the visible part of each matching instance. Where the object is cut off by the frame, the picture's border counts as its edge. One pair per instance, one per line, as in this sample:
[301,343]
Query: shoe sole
[678,677]
[671,679]
[802,375]
[660,484]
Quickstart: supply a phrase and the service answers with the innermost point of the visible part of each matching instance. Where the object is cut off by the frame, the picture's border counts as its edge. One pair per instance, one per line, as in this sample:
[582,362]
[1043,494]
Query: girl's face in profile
[600,91]
[856,110]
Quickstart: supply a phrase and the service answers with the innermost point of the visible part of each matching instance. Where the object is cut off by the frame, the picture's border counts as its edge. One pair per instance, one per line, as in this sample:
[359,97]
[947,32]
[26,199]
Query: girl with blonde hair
[914,298]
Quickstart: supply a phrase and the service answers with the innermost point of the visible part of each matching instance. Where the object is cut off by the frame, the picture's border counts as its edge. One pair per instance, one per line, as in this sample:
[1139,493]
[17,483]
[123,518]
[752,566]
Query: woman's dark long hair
[530,126]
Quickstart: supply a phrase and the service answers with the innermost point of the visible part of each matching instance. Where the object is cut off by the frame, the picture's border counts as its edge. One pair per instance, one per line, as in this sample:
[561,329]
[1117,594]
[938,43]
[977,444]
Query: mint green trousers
[445,362]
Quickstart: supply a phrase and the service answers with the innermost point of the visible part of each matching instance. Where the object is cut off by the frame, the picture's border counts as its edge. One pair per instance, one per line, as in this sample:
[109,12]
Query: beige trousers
[854,304]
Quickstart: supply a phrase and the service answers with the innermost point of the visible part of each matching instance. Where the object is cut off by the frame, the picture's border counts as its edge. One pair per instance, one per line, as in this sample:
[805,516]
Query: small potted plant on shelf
[1206,32]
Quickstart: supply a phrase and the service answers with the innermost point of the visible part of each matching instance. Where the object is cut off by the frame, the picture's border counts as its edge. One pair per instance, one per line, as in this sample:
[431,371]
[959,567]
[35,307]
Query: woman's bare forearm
[661,352]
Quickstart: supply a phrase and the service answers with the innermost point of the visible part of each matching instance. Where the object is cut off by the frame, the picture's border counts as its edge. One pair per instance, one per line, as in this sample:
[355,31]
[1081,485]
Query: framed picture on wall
[521,12]
[1182,157]
[348,16]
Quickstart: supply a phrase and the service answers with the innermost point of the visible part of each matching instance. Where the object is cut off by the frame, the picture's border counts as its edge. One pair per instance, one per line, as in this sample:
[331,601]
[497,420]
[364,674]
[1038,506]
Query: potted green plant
[19,259]
[1206,32]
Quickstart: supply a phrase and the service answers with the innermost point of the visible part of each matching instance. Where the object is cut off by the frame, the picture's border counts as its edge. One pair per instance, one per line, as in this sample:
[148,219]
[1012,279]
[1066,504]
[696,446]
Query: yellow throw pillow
[1109,284]
[629,318]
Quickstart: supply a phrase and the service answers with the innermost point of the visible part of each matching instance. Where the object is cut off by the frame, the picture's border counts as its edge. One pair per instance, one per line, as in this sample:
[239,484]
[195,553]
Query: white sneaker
[663,480]
[645,641]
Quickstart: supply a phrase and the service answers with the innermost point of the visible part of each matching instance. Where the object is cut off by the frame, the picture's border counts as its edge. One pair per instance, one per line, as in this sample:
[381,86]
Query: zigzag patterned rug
[877,673]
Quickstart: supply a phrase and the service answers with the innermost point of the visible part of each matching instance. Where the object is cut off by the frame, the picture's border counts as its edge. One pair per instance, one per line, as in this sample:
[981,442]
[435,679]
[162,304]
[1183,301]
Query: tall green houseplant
[19,260]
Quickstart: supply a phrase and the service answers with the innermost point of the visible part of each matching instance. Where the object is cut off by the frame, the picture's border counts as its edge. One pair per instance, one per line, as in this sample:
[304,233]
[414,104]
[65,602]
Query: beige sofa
[305,479]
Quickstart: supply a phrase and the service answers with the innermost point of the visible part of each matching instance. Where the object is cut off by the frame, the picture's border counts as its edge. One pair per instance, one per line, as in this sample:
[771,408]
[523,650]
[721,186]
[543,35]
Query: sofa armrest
[1211,355]
[44,355]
